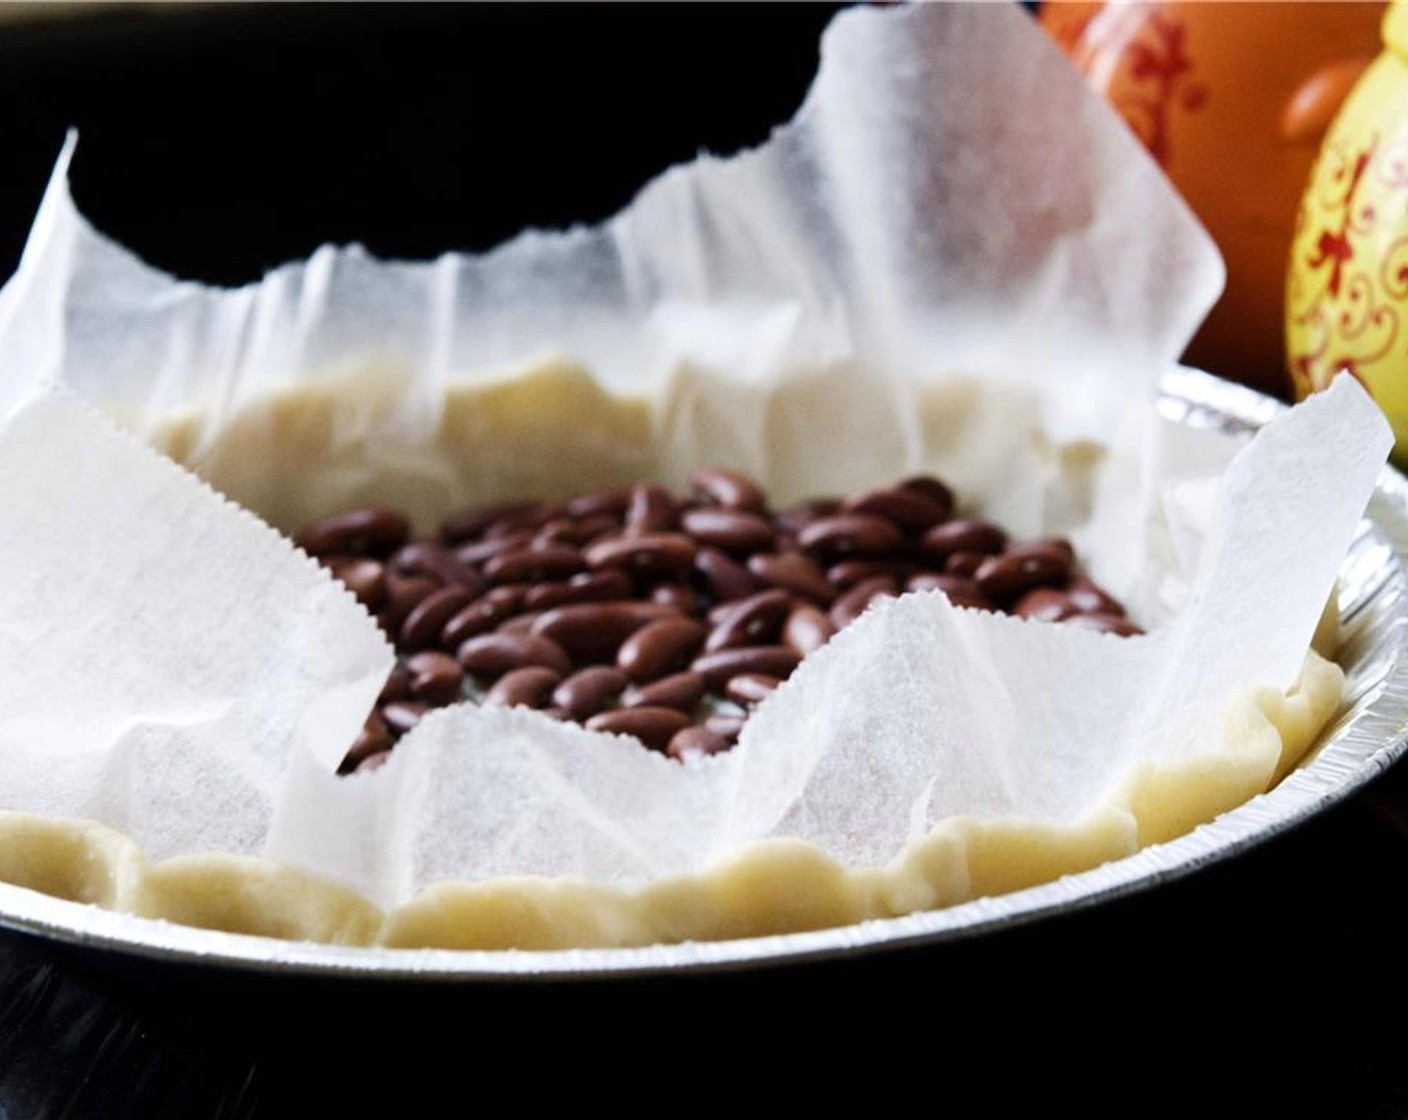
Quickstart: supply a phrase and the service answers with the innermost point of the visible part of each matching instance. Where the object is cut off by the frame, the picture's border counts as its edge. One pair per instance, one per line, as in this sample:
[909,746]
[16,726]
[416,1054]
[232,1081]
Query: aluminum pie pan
[1367,736]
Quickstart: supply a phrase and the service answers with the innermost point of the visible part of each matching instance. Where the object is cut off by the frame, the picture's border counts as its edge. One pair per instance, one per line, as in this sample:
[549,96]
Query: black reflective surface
[1269,985]
[221,142]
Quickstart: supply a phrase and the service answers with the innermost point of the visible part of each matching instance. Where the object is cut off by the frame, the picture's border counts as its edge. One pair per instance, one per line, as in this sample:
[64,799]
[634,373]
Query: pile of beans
[665,617]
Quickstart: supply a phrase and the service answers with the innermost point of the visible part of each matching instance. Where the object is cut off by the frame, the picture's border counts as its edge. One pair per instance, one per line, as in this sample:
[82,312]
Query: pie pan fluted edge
[1367,735]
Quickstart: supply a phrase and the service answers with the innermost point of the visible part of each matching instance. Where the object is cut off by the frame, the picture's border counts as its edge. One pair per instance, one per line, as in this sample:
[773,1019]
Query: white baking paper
[950,203]
[951,218]
[164,652]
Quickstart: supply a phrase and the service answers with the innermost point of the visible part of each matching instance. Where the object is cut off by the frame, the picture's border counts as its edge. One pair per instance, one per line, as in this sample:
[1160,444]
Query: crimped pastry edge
[773,886]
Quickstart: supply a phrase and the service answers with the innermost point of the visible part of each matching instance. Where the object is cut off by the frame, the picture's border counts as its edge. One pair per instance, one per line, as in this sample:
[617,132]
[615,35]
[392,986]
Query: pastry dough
[528,433]
[775,886]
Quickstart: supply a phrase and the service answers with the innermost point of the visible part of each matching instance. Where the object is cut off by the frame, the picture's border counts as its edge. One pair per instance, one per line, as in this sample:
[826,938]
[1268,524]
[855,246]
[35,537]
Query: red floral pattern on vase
[1162,80]
[1344,296]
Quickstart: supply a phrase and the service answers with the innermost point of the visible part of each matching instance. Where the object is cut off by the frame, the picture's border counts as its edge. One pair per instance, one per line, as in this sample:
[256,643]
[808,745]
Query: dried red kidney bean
[725,725]
[850,534]
[695,742]
[681,691]
[591,632]
[1087,598]
[436,678]
[750,688]
[683,598]
[533,518]
[793,518]
[965,564]
[519,623]
[588,691]
[724,577]
[560,530]
[1055,544]
[612,502]
[365,578]
[660,648]
[807,629]
[932,489]
[373,739]
[425,558]
[423,625]
[795,572]
[911,510]
[1105,623]
[397,686]
[373,762]
[592,529]
[480,552]
[492,655]
[652,726]
[484,614]
[982,537]
[848,573]
[1046,604]
[402,715]
[403,595]
[756,620]
[928,486]
[717,668]
[731,530]
[587,587]
[472,523]
[961,591]
[728,489]
[374,529]
[528,687]
[651,510]
[534,564]
[649,554]
[852,604]
[1019,569]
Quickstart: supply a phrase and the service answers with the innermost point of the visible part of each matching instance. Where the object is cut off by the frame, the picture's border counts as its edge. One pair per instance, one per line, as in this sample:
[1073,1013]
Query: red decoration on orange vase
[1232,101]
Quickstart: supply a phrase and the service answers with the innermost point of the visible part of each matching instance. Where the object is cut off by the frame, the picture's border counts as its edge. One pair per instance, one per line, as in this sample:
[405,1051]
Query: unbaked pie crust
[526,435]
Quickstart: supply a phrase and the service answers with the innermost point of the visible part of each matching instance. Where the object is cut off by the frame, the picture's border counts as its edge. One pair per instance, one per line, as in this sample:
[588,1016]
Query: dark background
[220,142]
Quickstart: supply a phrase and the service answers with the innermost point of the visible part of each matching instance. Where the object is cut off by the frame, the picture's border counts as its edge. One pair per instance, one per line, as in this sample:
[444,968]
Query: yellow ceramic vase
[1347,280]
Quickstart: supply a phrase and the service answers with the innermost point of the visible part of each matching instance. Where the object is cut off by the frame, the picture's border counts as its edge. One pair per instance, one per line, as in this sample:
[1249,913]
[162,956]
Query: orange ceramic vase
[1232,99]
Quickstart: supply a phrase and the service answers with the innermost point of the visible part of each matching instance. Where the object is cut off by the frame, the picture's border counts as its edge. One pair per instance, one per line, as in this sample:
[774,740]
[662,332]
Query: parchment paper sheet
[911,275]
